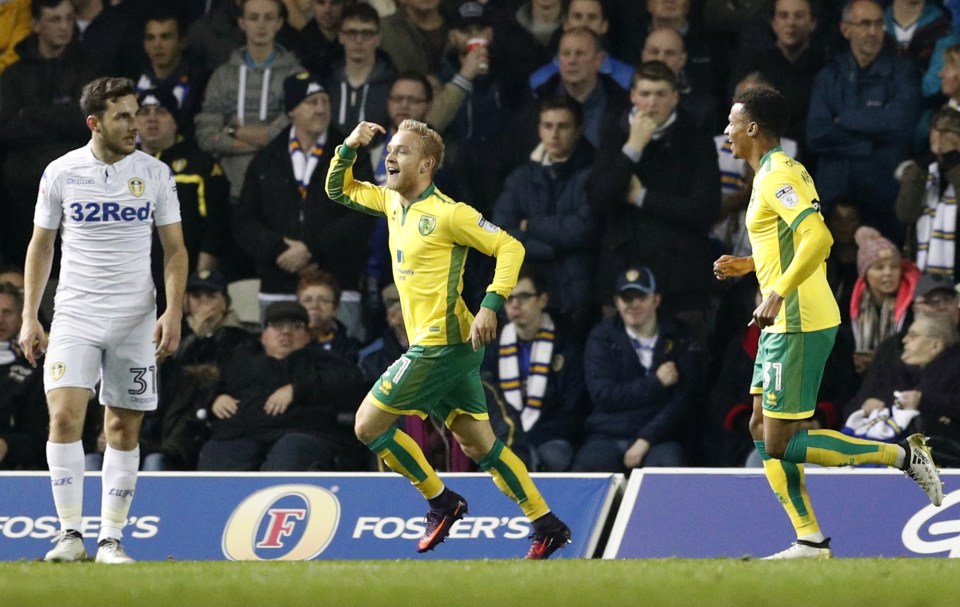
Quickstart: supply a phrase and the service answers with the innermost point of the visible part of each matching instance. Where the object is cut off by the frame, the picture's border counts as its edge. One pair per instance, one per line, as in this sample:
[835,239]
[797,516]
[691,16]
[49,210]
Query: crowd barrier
[689,513]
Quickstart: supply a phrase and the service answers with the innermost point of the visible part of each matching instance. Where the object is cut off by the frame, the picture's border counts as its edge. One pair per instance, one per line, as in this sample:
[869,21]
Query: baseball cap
[298,87]
[290,311]
[933,282]
[467,14]
[207,280]
[637,279]
[163,98]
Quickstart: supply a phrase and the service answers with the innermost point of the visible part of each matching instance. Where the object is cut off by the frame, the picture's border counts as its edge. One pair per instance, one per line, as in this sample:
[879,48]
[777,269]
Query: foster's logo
[934,530]
[282,523]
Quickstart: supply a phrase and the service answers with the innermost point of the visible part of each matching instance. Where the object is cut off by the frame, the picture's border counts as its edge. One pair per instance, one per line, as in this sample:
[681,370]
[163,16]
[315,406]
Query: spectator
[243,106]
[15,25]
[545,205]
[659,186]
[110,36]
[642,374]
[588,14]
[277,408]
[319,293]
[916,25]
[167,67]
[201,187]
[284,219]
[603,101]
[543,20]
[40,116]
[539,368]
[415,37]
[881,297]
[862,111]
[927,202]
[23,412]
[843,220]
[361,77]
[321,36]
[926,380]
[790,62]
[934,295]
[665,44]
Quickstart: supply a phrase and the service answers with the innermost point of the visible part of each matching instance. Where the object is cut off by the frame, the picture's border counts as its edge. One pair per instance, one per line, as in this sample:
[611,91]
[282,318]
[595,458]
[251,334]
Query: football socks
[402,454]
[789,485]
[119,478]
[831,448]
[511,476]
[65,461]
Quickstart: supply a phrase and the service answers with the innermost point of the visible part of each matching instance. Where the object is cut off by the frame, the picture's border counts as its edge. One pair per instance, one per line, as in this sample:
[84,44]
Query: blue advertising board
[700,513]
[304,516]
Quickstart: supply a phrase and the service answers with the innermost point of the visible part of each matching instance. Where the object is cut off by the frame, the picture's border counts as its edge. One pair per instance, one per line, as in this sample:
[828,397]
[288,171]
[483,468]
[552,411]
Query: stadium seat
[243,297]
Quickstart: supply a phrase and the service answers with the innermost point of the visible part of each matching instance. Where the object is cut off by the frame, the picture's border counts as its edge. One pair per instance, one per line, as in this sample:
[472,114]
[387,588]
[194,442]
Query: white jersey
[105,213]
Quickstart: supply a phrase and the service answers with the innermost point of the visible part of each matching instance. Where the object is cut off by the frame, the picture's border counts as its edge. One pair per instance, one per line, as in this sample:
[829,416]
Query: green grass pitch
[581,583]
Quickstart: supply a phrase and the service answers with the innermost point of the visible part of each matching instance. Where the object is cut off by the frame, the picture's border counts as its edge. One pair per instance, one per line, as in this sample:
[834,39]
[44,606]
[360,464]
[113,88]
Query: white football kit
[105,306]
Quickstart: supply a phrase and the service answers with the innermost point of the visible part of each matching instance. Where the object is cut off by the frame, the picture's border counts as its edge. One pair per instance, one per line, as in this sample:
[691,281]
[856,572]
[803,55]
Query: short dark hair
[361,11]
[98,93]
[37,6]
[417,77]
[166,14]
[564,102]
[656,71]
[768,108]
[535,274]
[13,291]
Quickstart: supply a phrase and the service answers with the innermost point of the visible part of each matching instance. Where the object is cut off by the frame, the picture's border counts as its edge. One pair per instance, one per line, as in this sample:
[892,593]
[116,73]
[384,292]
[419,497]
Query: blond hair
[429,142]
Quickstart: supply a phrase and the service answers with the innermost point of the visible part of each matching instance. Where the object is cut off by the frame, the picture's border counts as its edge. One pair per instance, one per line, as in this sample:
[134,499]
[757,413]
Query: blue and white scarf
[526,396]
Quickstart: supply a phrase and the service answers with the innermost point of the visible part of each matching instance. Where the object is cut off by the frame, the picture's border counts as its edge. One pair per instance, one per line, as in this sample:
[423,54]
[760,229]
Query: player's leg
[128,389]
[788,482]
[67,408]
[790,394]
[71,370]
[471,428]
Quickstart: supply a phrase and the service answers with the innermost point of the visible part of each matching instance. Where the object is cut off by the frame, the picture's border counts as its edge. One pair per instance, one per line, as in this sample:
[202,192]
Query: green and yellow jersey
[790,244]
[428,246]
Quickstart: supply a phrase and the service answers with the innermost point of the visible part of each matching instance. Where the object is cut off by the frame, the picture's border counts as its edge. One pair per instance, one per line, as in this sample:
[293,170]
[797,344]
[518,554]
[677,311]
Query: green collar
[766,157]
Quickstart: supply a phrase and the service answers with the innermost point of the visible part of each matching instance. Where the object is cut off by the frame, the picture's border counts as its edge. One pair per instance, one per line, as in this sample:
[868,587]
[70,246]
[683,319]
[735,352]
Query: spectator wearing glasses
[320,294]
[276,408]
[360,78]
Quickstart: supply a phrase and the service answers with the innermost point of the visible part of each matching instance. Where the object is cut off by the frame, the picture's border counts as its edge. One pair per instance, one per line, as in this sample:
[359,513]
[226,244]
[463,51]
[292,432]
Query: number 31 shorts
[117,352]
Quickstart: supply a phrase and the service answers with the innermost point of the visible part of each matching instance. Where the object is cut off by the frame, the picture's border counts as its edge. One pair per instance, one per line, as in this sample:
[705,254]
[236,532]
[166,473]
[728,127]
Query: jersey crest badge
[136,186]
[178,165]
[486,225]
[57,370]
[427,225]
[788,196]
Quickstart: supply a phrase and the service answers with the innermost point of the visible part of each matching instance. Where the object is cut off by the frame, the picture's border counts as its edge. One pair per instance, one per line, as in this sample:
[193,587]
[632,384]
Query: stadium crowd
[590,130]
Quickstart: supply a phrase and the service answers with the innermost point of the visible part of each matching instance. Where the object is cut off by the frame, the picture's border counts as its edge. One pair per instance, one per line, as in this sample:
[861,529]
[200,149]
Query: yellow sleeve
[812,250]
[343,188]
[468,227]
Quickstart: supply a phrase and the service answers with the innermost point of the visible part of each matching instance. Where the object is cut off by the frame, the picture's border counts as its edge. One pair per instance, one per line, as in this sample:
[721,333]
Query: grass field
[638,583]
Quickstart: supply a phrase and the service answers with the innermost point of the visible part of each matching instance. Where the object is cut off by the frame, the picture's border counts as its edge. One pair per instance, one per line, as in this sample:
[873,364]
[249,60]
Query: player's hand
[668,374]
[484,328]
[166,334]
[295,258]
[33,341]
[278,402]
[766,313]
[728,266]
[363,134]
[634,456]
[225,406]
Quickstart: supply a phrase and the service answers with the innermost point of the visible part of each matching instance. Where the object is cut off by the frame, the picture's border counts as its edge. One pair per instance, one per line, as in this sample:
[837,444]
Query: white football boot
[69,548]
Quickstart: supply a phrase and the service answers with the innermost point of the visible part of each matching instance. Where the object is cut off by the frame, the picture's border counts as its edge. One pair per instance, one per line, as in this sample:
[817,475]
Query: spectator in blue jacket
[545,205]
[863,108]
[642,375]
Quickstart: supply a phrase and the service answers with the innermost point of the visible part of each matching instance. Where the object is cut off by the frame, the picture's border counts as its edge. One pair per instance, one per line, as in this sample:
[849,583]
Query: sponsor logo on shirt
[788,196]
[486,225]
[96,212]
[79,180]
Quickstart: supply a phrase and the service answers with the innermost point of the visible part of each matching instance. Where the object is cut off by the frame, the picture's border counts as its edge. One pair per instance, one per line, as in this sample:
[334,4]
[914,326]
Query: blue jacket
[629,402]
[621,72]
[562,233]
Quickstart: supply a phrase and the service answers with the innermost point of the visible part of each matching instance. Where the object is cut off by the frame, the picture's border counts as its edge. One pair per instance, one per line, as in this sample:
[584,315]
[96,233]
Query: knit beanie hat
[872,247]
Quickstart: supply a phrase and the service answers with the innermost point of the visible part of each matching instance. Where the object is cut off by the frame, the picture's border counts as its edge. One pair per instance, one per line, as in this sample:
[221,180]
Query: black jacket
[271,209]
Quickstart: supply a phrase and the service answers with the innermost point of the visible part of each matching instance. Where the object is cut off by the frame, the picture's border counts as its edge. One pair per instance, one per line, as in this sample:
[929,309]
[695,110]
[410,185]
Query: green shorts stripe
[788,370]
[439,380]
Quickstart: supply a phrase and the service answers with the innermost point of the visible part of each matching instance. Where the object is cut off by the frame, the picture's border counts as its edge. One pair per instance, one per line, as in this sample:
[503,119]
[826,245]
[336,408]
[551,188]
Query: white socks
[119,482]
[65,461]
